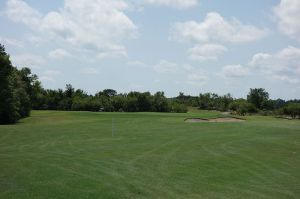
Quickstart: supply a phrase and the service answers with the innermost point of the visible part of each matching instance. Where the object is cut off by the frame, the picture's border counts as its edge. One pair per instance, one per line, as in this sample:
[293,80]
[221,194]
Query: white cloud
[283,65]
[235,71]
[96,25]
[89,71]
[197,79]
[180,4]
[52,73]
[165,67]
[92,24]
[286,78]
[136,63]
[27,60]
[20,11]
[58,54]
[188,67]
[113,54]
[49,75]
[288,59]
[214,28]
[206,52]
[182,73]
[46,79]
[210,35]
[288,15]
[11,42]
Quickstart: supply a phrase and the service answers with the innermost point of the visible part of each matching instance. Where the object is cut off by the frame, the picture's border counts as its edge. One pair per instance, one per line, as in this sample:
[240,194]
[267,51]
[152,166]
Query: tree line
[21,91]
[107,100]
[256,102]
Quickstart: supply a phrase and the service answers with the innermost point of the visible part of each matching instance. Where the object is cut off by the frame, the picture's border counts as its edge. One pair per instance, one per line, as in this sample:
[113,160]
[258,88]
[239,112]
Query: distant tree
[242,107]
[279,103]
[67,101]
[29,88]
[222,102]
[144,102]
[21,91]
[258,97]
[268,105]
[29,80]
[187,100]
[80,93]
[131,104]
[181,97]
[94,104]
[119,103]
[160,102]
[178,107]
[204,100]
[212,101]
[107,93]
[38,97]
[53,99]
[69,92]
[105,102]
[292,109]
[79,104]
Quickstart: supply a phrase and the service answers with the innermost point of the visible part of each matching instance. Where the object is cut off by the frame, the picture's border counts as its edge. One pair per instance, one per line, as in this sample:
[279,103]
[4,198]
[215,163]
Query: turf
[150,155]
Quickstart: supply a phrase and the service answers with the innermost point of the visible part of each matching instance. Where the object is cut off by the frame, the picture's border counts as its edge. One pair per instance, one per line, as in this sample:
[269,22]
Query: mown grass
[151,155]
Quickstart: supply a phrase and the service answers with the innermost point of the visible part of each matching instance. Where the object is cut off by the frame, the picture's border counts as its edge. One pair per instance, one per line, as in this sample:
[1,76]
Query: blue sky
[191,46]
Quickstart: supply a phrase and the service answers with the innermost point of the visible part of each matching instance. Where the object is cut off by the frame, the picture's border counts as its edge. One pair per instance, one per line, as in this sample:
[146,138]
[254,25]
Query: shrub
[292,109]
[178,108]
[242,107]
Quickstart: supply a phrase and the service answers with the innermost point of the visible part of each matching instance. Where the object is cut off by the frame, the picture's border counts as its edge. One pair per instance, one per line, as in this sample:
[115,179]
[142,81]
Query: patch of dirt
[287,117]
[214,120]
[226,113]
[195,120]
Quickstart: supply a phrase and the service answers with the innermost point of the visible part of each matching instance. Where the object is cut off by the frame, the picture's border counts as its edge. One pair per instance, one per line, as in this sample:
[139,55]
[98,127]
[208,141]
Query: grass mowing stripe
[56,154]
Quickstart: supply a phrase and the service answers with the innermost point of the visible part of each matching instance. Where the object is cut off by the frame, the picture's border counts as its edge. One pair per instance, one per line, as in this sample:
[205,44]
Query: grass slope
[152,155]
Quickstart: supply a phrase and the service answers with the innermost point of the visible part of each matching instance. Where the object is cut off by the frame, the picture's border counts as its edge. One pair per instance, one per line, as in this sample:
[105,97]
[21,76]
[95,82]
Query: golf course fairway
[55,154]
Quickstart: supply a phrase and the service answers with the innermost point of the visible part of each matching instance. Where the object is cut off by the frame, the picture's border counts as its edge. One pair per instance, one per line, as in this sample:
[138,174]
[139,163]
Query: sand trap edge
[214,120]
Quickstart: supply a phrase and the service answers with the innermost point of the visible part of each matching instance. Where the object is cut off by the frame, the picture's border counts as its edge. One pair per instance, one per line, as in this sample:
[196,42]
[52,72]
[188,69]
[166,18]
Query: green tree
[107,93]
[9,105]
[178,107]
[38,97]
[119,102]
[292,109]
[21,94]
[131,104]
[160,102]
[15,90]
[204,100]
[258,97]
[242,107]
[144,102]
[66,103]
[26,86]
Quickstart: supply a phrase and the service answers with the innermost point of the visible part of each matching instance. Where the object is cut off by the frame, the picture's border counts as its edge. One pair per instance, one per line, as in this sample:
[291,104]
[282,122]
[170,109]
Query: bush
[292,109]
[178,108]
[242,107]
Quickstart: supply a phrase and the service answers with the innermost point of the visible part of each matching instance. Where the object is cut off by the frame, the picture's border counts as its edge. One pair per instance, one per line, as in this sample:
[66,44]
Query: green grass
[152,155]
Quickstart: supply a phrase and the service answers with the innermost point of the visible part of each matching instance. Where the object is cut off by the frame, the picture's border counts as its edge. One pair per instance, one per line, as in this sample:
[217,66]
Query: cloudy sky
[152,45]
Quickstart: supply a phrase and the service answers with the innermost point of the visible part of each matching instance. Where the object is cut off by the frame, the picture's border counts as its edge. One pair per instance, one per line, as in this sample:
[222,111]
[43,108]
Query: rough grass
[152,155]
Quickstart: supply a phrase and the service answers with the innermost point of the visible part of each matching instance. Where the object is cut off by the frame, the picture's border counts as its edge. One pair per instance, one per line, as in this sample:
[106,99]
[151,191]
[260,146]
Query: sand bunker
[227,119]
